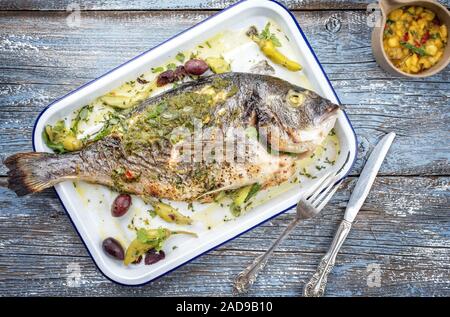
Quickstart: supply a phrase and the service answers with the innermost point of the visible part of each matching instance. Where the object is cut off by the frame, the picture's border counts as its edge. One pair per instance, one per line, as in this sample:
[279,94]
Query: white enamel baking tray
[93,222]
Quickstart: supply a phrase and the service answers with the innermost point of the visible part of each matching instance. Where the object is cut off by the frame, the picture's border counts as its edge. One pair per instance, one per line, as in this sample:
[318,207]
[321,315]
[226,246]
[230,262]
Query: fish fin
[28,172]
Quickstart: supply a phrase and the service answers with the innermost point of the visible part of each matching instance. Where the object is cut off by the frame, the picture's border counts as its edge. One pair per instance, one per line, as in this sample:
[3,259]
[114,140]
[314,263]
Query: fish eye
[295,99]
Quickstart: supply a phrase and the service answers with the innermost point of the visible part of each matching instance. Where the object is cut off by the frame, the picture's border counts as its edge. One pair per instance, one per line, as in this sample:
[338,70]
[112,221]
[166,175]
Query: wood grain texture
[177,5]
[403,226]
[68,5]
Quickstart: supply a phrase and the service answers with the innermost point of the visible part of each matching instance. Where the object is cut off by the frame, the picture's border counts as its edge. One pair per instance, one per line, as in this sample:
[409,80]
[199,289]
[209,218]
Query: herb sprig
[267,35]
[414,49]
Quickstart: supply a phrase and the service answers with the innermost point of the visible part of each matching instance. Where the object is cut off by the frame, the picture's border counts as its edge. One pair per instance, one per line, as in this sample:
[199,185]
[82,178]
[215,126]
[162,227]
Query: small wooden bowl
[383,60]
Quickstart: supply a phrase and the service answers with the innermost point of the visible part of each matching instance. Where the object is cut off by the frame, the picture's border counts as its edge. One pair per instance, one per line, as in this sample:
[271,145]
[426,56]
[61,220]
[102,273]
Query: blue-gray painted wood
[403,227]
[178,4]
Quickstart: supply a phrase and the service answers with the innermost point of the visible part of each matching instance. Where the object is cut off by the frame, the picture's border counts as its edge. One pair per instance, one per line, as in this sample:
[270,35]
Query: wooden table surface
[403,228]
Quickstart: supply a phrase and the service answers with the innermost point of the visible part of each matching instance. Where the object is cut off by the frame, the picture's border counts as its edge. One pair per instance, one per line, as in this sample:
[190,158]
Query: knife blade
[316,285]
[367,176]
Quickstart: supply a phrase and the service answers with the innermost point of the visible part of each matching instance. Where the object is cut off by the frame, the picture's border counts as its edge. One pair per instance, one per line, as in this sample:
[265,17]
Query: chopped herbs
[389,21]
[266,35]
[119,171]
[193,55]
[82,115]
[435,36]
[306,174]
[171,66]
[113,120]
[414,49]
[180,57]
[157,110]
[327,160]
[157,69]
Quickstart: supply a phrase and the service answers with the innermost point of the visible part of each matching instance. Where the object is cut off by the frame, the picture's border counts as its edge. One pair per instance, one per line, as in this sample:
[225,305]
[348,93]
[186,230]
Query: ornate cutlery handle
[316,285]
[247,277]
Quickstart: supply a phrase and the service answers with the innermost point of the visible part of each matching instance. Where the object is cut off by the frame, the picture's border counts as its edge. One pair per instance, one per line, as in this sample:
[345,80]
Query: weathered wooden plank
[41,61]
[403,227]
[178,5]
[104,37]
[51,276]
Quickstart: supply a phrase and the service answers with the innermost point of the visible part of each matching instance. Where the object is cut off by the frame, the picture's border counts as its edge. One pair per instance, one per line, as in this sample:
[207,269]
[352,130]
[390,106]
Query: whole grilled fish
[218,133]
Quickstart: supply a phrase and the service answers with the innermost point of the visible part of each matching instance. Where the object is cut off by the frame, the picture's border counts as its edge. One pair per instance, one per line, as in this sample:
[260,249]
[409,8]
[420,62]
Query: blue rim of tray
[145,52]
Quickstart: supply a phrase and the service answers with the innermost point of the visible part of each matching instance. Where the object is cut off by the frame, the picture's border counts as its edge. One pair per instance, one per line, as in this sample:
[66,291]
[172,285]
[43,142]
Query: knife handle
[316,285]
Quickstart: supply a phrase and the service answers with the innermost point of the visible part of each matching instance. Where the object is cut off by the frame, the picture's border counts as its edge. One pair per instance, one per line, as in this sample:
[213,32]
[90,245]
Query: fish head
[293,119]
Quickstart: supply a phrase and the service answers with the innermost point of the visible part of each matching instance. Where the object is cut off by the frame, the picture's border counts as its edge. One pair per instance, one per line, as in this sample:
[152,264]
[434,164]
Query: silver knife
[316,285]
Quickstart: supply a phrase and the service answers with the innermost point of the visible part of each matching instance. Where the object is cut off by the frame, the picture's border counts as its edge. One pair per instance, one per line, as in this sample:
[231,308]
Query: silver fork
[306,208]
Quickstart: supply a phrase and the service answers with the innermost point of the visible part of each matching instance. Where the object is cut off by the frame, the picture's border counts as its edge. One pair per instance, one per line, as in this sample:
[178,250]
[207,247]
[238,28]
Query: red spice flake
[425,37]
[406,37]
[130,175]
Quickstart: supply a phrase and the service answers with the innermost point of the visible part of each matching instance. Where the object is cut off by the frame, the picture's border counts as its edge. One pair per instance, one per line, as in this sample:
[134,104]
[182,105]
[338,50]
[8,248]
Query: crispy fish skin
[145,159]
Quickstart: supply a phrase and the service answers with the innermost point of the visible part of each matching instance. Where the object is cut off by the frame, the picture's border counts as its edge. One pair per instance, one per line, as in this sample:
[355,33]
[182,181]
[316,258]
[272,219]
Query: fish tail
[33,172]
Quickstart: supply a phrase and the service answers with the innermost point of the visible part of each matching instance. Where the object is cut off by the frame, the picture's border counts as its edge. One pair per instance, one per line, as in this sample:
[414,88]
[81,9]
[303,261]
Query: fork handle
[316,285]
[247,277]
